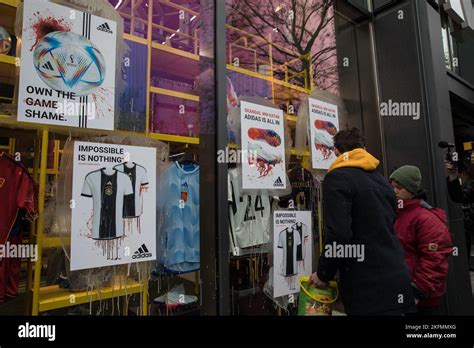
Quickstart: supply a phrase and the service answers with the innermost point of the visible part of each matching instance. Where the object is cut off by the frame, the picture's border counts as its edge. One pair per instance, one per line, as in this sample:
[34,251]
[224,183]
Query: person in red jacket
[426,240]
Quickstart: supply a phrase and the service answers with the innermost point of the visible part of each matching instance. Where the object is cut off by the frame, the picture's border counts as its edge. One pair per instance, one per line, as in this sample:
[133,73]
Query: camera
[461,161]
[451,156]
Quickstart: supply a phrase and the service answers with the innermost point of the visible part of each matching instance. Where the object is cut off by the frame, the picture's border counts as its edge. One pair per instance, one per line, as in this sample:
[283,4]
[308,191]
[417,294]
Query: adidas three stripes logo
[105,28]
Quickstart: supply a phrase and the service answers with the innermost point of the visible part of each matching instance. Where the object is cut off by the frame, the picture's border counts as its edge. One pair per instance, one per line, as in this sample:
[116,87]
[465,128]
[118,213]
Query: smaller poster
[292,250]
[323,125]
[113,205]
[263,145]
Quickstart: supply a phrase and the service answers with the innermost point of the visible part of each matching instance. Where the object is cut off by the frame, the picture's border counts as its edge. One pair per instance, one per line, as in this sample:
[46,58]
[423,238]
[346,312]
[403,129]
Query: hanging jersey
[303,232]
[17,192]
[178,239]
[249,214]
[133,204]
[289,240]
[108,193]
[303,193]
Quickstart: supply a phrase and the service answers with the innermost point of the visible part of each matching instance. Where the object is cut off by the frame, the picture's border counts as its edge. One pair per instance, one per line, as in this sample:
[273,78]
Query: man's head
[348,140]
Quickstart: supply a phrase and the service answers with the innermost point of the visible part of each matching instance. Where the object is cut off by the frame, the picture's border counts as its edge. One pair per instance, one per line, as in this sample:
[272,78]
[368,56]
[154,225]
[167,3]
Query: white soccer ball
[5,41]
[69,62]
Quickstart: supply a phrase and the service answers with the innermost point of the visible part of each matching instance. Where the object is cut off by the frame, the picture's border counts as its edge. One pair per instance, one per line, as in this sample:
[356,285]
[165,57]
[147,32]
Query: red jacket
[426,240]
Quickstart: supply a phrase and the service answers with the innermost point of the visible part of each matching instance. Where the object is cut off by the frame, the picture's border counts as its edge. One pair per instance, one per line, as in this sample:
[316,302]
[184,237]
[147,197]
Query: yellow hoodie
[357,158]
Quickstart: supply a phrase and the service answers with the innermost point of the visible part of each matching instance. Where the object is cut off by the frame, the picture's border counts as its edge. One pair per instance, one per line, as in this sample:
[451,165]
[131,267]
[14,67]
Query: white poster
[323,125]
[67,71]
[292,250]
[263,145]
[113,205]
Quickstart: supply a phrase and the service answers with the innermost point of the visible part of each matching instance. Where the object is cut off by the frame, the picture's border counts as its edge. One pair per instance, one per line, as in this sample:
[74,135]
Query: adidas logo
[278,183]
[48,66]
[142,253]
[105,28]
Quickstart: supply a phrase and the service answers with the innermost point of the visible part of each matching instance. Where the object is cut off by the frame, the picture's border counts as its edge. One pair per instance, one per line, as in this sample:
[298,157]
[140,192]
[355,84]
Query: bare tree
[302,32]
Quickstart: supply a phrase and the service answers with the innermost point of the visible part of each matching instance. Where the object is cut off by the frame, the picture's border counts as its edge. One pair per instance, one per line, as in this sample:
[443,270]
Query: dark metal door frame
[215,286]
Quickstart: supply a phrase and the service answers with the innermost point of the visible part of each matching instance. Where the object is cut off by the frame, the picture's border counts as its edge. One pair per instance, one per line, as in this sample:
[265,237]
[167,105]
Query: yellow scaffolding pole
[145,297]
[29,266]
[40,221]
[179,7]
[11,146]
[270,53]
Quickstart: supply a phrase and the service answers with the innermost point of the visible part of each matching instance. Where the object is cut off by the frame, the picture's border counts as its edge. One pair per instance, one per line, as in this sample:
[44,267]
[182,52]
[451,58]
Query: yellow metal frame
[171,93]
[9,121]
[245,47]
[12,3]
[284,67]
[175,51]
[52,297]
[40,221]
[7,59]
[179,7]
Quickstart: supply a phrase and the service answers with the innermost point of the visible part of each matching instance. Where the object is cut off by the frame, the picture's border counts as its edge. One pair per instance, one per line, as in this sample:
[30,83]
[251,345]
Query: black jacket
[464,194]
[360,209]
[461,194]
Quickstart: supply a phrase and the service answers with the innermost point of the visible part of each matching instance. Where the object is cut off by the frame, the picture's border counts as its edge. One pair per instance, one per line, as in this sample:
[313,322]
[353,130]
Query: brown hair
[349,139]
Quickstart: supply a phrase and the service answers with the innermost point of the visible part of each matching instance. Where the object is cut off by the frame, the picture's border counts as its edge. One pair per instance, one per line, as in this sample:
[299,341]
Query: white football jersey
[289,240]
[249,214]
[133,206]
[108,189]
[305,238]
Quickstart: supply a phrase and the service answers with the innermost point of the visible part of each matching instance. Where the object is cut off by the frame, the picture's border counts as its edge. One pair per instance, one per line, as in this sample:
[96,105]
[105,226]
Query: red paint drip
[45,25]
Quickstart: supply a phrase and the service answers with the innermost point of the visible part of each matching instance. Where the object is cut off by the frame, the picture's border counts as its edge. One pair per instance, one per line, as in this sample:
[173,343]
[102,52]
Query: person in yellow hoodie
[359,210]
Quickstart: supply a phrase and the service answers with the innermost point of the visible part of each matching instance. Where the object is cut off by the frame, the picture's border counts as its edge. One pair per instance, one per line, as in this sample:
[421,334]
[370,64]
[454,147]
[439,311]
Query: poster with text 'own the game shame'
[67,71]
[113,205]
[263,145]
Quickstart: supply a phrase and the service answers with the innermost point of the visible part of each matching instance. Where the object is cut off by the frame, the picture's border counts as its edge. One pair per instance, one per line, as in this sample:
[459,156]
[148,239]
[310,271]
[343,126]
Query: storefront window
[187,177]
[458,43]
[281,58]
[119,177]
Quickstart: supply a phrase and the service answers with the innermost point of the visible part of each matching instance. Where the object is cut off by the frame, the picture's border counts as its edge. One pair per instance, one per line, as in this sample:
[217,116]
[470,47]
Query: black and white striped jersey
[108,189]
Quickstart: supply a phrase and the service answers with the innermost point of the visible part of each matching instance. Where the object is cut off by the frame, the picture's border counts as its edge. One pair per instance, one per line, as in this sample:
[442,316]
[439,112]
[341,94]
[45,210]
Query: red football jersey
[16,192]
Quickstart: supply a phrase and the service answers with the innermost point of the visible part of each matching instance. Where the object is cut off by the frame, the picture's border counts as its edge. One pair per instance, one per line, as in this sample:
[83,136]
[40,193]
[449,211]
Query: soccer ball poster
[323,126]
[113,205]
[292,250]
[67,71]
[263,147]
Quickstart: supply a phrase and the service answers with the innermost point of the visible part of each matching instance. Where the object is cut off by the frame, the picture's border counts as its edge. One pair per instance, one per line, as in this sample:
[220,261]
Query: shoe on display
[264,152]
[63,282]
[323,138]
[175,297]
[267,135]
